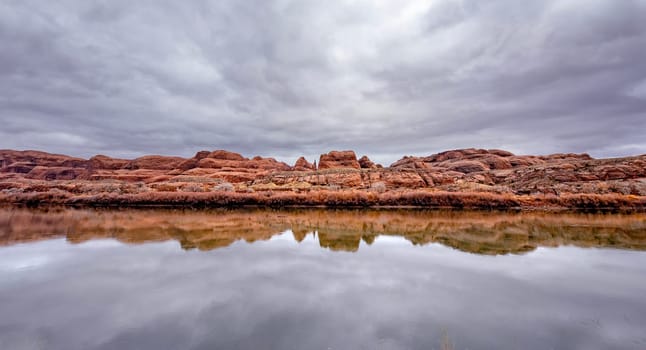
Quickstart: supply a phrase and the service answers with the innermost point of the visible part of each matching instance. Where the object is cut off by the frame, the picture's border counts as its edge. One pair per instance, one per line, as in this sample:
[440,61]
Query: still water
[321,279]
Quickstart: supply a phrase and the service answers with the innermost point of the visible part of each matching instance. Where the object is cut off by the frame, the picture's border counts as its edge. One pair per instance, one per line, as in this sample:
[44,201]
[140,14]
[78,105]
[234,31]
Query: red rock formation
[215,163]
[403,179]
[339,159]
[495,162]
[9,157]
[303,165]
[566,156]
[501,153]
[456,154]
[106,163]
[521,161]
[201,155]
[255,163]
[226,155]
[55,173]
[229,166]
[344,179]
[19,167]
[266,164]
[408,162]
[192,162]
[467,166]
[41,165]
[155,163]
[455,171]
[366,163]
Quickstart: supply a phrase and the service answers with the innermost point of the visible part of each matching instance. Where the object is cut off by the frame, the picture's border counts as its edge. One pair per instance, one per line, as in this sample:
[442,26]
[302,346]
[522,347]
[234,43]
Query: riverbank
[333,199]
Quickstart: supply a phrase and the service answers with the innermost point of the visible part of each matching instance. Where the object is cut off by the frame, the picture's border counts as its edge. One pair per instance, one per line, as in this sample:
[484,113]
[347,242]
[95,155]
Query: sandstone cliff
[456,171]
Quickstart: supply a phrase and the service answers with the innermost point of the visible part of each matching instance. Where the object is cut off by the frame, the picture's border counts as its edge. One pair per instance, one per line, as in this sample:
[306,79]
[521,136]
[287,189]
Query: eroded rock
[339,159]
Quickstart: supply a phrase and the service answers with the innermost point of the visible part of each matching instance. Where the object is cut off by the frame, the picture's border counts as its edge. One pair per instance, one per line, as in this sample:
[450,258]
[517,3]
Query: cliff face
[463,170]
[563,172]
[339,159]
[303,165]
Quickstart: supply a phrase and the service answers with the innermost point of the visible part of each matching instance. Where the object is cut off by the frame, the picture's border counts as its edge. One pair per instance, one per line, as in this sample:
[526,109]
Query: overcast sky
[286,78]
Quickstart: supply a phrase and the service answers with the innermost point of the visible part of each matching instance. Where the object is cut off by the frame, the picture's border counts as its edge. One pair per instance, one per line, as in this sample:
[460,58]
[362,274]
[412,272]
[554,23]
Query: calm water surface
[162,279]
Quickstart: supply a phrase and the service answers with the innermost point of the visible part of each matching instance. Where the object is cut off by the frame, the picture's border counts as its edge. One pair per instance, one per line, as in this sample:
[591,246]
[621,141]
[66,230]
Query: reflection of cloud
[24,263]
[388,240]
[278,295]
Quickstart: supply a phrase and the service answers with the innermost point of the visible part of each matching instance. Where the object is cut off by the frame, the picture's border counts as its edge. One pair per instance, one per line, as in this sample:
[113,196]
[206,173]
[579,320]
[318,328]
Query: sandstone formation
[455,171]
[303,165]
[366,163]
[101,162]
[154,163]
[24,161]
[339,160]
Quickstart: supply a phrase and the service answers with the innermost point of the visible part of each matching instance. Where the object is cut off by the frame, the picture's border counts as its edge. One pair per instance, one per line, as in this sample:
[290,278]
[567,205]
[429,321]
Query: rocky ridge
[462,170]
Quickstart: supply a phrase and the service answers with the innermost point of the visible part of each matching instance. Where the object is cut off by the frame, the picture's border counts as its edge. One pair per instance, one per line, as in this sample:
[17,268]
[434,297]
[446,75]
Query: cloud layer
[286,78]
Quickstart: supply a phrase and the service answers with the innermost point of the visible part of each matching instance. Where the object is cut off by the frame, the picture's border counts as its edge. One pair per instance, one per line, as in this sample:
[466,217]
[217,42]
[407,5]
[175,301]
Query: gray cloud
[286,78]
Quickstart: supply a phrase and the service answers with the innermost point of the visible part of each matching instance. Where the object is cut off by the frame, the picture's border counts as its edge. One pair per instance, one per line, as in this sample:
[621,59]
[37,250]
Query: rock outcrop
[38,158]
[154,163]
[467,166]
[366,163]
[338,160]
[462,170]
[303,165]
[229,166]
[107,163]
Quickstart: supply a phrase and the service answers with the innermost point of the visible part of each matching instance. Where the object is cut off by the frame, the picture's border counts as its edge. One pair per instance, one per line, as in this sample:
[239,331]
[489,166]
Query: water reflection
[474,232]
[285,292]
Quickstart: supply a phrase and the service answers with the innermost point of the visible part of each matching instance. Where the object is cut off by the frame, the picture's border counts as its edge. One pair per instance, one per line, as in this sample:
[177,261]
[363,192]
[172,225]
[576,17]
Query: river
[321,279]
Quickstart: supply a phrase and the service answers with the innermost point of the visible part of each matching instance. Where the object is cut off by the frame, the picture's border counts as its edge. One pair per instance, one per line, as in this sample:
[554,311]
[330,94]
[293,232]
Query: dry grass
[115,194]
[224,194]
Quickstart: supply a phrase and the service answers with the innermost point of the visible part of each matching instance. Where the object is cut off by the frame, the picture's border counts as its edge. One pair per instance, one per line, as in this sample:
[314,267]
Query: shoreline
[343,199]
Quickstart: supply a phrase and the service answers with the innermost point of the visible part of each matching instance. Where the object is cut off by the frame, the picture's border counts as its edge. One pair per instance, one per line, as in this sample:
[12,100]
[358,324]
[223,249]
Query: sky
[288,78]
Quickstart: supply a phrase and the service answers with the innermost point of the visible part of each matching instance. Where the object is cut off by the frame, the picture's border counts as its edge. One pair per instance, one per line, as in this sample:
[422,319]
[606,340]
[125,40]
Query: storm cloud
[286,78]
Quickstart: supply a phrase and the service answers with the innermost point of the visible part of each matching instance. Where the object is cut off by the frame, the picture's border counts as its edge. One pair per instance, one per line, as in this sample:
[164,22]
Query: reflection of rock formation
[339,242]
[300,234]
[476,232]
